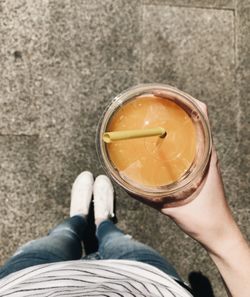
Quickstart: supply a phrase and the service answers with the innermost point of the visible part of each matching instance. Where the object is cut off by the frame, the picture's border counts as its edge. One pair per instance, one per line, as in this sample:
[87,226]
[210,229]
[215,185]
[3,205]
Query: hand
[208,217]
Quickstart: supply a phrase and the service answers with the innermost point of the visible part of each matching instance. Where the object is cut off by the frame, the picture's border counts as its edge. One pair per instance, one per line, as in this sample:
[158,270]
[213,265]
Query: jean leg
[114,244]
[62,244]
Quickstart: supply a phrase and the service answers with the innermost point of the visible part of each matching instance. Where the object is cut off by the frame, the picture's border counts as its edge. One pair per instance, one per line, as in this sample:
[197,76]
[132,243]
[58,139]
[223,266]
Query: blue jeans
[64,243]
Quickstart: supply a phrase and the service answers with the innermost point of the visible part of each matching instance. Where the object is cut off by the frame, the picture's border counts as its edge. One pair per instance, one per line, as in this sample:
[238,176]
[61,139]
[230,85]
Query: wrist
[226,243]
[233,262]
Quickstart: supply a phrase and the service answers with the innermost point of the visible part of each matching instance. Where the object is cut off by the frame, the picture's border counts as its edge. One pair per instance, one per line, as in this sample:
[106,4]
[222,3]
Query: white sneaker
[103,198]
[81,194]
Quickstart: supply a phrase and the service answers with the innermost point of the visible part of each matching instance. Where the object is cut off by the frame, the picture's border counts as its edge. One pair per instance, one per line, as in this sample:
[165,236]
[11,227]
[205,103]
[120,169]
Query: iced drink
[153,161]
[158,170]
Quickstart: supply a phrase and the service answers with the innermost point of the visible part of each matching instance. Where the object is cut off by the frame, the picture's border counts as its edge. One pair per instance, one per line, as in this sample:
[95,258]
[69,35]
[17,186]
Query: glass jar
[187,186]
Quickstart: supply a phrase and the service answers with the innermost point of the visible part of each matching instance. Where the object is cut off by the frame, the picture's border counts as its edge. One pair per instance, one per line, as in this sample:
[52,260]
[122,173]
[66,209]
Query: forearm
[209,220]
[232,258]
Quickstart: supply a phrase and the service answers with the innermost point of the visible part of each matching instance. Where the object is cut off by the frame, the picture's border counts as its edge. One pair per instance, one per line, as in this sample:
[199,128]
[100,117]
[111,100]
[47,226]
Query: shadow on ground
[90,240]
[200,285]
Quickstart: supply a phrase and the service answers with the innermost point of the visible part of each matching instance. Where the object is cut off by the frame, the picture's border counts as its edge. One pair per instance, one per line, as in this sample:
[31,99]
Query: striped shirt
[112,278]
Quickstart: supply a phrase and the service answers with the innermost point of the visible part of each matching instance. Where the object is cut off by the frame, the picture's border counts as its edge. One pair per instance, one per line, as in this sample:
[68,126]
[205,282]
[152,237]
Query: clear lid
[202,138]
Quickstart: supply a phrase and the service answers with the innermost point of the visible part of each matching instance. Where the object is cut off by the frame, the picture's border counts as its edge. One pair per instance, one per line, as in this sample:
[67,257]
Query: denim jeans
[64,243]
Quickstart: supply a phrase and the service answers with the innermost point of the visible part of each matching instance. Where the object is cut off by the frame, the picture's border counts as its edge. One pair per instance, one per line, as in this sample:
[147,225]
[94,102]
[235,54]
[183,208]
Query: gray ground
[62,61]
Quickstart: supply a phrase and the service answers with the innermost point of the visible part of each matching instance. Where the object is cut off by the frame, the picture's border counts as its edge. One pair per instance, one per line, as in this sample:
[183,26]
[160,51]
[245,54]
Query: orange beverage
[153,161]
[158,170]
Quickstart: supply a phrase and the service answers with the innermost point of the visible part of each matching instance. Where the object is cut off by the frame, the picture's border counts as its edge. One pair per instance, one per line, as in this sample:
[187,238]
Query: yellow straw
[129,134]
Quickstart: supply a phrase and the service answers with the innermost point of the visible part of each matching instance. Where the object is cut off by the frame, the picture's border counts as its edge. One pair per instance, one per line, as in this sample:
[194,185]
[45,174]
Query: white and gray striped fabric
[91,278]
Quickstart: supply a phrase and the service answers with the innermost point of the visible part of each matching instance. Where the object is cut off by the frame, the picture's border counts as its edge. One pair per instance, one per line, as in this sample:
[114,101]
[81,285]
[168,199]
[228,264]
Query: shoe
[103,198]
[81,194]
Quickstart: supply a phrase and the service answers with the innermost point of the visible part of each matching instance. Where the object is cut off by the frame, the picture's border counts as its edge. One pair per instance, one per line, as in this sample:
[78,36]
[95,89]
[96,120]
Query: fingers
[202,106]
[165,94]
[214,159]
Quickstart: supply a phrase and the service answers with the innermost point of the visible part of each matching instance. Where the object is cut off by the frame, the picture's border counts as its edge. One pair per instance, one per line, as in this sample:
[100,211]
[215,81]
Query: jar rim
[159,191]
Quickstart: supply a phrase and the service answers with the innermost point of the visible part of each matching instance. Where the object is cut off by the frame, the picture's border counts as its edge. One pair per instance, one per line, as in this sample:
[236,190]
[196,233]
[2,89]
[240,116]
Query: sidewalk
[63,61]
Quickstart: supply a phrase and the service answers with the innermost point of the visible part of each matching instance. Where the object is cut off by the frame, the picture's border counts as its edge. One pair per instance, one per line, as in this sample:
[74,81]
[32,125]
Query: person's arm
[208,219]
[233,262]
